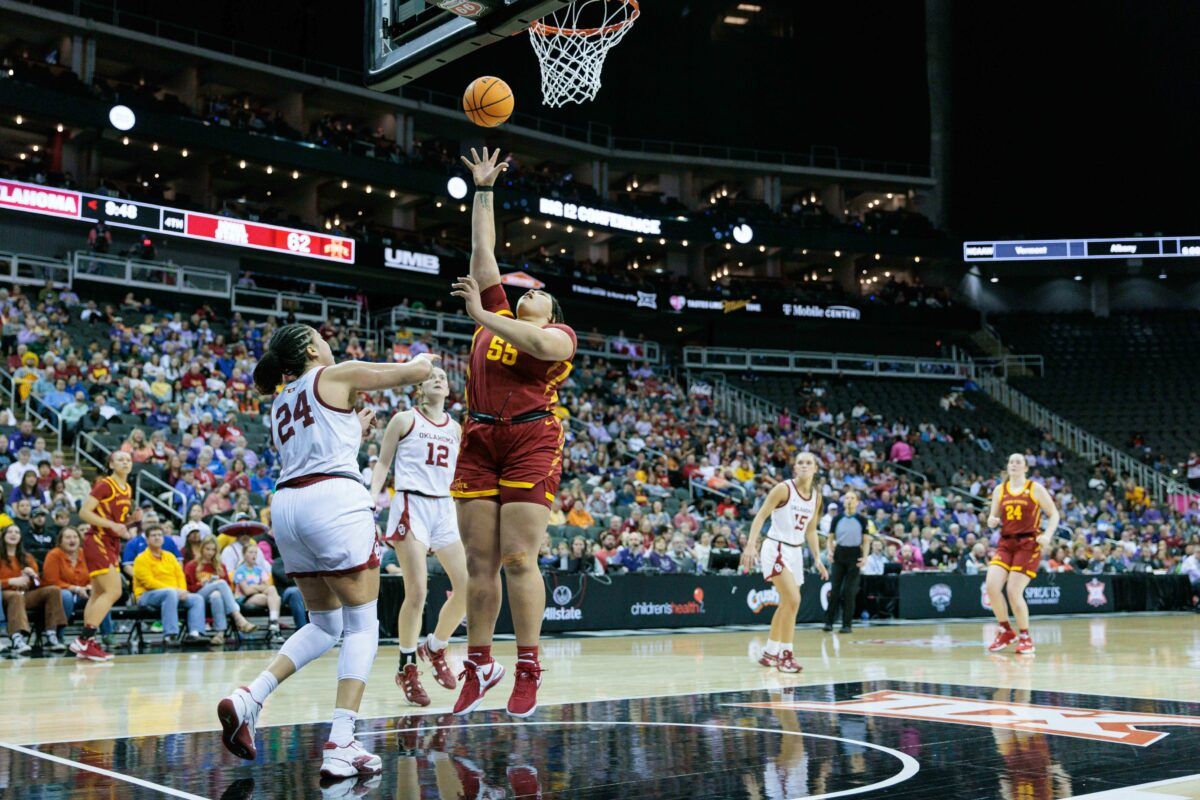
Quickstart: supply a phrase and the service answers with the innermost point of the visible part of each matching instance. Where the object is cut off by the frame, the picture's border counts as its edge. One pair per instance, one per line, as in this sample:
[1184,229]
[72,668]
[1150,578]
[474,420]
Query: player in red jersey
[510,460]
[105,510]
[1017,508]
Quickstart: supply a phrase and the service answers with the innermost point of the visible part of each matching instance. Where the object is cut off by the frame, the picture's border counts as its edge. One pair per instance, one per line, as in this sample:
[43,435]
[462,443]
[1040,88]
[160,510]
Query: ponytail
[286,354]
[556,312]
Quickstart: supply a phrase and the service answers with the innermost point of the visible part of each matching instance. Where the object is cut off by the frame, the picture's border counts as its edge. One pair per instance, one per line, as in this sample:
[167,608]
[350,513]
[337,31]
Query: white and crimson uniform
[784,543]
[322,512]
[425,461]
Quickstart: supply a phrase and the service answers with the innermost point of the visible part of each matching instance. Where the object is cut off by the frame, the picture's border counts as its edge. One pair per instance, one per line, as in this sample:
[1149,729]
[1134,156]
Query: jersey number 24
[285,417]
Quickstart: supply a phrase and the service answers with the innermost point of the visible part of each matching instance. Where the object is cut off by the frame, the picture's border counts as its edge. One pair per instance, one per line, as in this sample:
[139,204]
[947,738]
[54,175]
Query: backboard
[408,38]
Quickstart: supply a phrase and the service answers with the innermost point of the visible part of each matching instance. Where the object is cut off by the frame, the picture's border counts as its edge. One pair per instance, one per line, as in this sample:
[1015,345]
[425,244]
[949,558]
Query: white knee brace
[361,626]
[314,639]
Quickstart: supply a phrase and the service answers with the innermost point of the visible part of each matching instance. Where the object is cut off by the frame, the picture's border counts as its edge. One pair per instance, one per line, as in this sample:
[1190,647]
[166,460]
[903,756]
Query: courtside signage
[150,218]
[395,258]
[1118,727]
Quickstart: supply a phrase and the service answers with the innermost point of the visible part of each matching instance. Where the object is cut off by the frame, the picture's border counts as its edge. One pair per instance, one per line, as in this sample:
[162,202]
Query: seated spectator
[679,554]
[139,542]
[38,537]
[580,517]
[138,446]
[631,556]
[606,551]
[27,489]
[77,486]
[1060,561]
[659,559]
[255,587]
[206,577]
[876,559]
[219,501]
[159,583]
[16,470]
[65,568]
[20,593]
[702,551]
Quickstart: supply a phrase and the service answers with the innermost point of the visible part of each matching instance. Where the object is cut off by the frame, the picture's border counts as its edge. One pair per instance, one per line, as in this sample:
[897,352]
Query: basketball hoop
[571,54]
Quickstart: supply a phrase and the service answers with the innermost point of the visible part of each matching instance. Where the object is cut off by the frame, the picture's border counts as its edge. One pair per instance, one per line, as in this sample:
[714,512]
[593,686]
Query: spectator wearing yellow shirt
[158,583]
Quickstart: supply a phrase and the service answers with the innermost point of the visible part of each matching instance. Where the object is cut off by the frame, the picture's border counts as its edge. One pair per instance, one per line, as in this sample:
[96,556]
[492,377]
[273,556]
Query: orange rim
[542,29]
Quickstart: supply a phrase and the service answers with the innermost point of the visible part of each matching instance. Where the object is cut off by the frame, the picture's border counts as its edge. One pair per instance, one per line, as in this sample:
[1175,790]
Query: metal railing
[305,307]
[736,404]
[33,270]
[154,494]
[460,326]
[882,366]
[159,276]
[1089,447]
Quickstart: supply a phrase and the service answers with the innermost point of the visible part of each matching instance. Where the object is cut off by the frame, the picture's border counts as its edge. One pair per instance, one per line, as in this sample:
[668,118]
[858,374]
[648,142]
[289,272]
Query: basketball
[488,102]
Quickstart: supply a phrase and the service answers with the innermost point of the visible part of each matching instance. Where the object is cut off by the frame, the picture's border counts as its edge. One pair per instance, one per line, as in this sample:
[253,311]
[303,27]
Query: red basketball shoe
[437,659]
[1025,645]
[523,780]
[476,682]
[787,663]
[768,659]
[408,680]
[523,700]
[1003,638]
[88,650]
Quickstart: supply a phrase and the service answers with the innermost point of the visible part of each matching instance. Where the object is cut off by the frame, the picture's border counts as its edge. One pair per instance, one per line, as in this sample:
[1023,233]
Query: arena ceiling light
[743,234]
[456,187]
[122,117]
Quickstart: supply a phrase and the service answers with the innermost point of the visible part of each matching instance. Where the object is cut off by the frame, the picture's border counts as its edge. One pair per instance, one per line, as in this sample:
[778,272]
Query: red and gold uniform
[512,441]
[1020,524]
[102,547]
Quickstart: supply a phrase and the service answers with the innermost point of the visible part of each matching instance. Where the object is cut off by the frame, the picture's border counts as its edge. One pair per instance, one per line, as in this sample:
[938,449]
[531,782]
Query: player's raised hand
[366,418]
[468,289]
[486,168]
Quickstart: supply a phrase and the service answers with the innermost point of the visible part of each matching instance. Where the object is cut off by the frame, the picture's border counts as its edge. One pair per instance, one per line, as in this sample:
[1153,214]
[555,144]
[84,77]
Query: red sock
[527,653]
[1006,626]
[479,654]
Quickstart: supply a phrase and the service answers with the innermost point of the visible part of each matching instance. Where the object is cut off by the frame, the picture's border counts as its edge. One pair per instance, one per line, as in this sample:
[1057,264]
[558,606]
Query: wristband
[484,188]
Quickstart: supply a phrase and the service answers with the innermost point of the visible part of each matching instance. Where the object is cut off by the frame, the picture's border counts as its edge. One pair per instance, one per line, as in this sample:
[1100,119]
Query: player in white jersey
[422,518]
[325,531]
[794,507]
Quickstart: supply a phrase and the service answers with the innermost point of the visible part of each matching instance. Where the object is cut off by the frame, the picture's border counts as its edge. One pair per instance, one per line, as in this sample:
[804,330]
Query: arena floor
[1108,707]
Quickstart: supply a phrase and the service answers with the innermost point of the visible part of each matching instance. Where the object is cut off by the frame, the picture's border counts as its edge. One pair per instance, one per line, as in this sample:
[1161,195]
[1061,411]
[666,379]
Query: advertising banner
[930,595]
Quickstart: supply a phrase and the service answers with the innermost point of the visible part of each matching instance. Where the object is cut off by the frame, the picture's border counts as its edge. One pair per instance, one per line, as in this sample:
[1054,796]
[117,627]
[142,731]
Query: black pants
[844,580]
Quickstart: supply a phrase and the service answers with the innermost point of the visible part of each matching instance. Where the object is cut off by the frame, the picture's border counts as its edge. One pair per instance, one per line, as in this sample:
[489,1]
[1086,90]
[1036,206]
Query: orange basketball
[488,101]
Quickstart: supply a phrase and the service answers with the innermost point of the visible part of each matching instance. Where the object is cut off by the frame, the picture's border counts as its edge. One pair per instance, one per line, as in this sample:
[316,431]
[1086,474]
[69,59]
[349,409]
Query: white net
[571,45]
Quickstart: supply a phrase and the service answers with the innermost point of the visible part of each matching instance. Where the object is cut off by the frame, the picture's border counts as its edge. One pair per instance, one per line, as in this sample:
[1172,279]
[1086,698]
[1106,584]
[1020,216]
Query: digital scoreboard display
[150,218]
[1072,249]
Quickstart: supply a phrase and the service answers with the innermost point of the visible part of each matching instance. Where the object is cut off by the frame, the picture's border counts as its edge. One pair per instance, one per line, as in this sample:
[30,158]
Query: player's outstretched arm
[484,170]
[341,382]
[397,428]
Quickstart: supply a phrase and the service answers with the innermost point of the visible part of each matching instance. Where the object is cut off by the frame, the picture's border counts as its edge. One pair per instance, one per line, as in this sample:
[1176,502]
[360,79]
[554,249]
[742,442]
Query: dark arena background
[949,250]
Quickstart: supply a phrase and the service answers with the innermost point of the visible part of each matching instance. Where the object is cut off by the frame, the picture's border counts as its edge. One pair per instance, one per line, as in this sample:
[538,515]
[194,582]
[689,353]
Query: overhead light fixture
[125,140]
[1162,276]
[994,279]
[270,170]
[570,229]
[184,152]
[549,224]
[591,234]
[640,240]
[837,253]
[121,117]
[462,207]
[456,187]
[917,259]
[392,194]
[684,243]
[735,20]
[295,174]
[525,220]
[36,148]
[743,234]
[59,127]
[369,189]
[438,204]
[1078,277]
[345,184]
[753,8]
[242,164]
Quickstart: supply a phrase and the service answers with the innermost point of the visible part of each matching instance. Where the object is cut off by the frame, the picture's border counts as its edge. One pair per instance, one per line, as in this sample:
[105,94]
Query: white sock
[341,732]
[273,616]
[261,687]
[785,647]
[772,648]
[435,644]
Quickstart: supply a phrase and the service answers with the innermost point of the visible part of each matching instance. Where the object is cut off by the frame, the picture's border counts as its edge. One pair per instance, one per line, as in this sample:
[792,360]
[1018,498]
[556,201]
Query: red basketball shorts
[1018,554]
[101,552]
[519,463]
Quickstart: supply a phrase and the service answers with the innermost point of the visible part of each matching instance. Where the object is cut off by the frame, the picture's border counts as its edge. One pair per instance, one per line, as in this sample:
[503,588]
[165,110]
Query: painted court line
[1136,793]
[909,767]
[167,790]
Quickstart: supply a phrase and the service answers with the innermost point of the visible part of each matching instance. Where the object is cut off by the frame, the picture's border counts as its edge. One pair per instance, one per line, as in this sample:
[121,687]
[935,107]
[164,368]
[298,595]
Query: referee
[851,532]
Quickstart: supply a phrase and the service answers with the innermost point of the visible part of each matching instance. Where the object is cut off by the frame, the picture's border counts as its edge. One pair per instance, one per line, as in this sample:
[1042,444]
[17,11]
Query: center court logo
[939,596]
[758,599]
[1117,727]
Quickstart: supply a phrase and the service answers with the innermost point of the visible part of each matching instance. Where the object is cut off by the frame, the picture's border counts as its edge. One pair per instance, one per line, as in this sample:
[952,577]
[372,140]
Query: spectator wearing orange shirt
[207,577]
[579,517]
[66,568]
[21,592]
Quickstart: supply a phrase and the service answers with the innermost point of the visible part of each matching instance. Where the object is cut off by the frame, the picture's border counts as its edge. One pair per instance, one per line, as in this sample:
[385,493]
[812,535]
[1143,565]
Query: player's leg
[769,564]
[837,579]
[522,529]
[479,522]
[410,553]
[789,607]
[997,576]
[453,558]
[1018,579]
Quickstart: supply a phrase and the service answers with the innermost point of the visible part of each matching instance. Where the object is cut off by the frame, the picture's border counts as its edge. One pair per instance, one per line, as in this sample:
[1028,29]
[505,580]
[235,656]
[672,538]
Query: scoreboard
[1071,249]
[164,220]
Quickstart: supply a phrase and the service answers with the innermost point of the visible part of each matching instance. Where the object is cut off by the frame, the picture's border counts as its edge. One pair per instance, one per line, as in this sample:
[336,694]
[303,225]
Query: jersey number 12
[439,456]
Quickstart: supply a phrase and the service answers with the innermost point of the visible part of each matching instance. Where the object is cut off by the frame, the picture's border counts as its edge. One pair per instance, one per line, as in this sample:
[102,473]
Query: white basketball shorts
[432,521]
[326,528]
[774,556]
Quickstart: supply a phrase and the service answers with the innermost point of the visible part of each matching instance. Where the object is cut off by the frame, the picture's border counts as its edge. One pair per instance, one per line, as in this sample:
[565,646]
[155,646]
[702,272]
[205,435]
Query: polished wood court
[1143,663]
